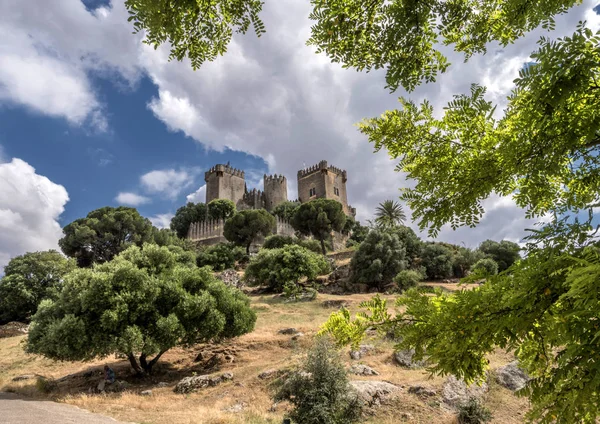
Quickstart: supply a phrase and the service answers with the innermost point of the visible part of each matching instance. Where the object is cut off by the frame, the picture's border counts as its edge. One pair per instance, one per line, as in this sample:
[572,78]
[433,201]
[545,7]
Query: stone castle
[321,181]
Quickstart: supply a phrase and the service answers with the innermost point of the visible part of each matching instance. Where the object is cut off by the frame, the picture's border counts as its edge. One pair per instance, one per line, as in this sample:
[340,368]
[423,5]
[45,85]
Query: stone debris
[231,278]
[512,377]
[374,393]
[360,369]
[404,358]
[362,351]
[422,391]
[146,393]
[335,303]
[13,329]
[297,336]
[162,384]
[268,374]
[456,392]
[288,331]
[191,384]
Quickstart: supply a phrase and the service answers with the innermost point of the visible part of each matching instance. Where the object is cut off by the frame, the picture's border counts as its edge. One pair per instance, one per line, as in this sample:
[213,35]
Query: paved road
[15,409]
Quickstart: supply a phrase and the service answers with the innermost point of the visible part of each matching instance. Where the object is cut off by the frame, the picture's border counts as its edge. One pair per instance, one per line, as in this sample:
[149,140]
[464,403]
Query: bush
[505,253]
[143,302]
[412,243]
[378,259]
[407,279]
[473,412]
[486,267]
[219,256]
[293,292]
[245,226]
[437,260]
[319,389]
[463,260]
[352,244]
[279,241]
[276,267]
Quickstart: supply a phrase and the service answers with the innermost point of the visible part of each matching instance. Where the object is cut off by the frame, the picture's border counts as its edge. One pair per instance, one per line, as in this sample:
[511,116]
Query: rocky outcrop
[404,358]
[191,384]
[374,393]
[362,351]
[422,391]
[13,329]
[456,392]
[512,377]
[231,278]
[359,369]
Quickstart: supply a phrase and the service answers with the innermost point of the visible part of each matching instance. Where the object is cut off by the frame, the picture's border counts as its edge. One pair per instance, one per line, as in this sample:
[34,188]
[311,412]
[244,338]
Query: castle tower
[275,189]
[225,182]
[323,181]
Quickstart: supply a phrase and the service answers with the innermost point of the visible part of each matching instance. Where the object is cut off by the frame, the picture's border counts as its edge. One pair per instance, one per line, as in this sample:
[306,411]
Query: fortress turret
[323,181]
[275,189]
[225,182]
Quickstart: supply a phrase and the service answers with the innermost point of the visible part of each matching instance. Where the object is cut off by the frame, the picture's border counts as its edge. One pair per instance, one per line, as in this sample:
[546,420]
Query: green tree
[319,218]
[378,259]
[140,304]
[504,253]
[286,210]
[28,279]
[486,266]
[166,237]
[245,226]
[219,257]
[389,214]
[319,389]
[406,279]
[221,209]
[358,232]
[411,242]
[277,267]
[103,234]
[186,215]
[437,260]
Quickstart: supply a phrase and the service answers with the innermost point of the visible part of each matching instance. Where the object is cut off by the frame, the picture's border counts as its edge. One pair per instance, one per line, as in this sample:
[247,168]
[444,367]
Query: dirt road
[15,409]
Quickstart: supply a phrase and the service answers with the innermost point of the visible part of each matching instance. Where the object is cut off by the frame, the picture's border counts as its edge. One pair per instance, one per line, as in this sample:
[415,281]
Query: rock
[231,278]
[456,392]
[374,393]
[335,303]
[362,351]
[512,377]
[229,358]
[215,361]
[422,391]
[234,409]
[24,377]
[13,329]
[146,393]
[288,331]
[162,384]
[297,336]
[406,415]
[360,369]
[200,357]
[268,374]
[191,384]
[404,359]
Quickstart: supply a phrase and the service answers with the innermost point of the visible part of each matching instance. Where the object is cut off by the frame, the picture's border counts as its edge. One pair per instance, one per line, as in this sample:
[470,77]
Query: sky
[90,116]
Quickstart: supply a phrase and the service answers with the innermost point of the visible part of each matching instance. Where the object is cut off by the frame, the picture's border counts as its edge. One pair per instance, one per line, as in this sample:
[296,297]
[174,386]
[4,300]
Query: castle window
[312,192]
[336,191]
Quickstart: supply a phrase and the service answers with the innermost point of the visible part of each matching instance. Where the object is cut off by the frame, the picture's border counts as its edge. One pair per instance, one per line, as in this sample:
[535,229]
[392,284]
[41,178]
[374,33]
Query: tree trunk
[248,248]
[323,247]
[134,364]
[147,366]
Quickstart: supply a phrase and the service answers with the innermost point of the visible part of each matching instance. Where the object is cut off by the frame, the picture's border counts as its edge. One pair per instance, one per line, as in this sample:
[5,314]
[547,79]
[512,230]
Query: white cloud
[167,182]
[131,199]
[161,220]
[199,196]
[30,205]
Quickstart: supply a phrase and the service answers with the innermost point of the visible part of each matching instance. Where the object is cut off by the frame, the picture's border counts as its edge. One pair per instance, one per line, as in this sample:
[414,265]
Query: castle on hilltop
[316,182]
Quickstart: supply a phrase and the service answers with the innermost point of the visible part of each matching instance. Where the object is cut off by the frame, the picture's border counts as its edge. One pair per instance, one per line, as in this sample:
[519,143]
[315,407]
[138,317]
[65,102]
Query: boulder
[456,392]
[146,393]
[362,351]
[335,303]
[231,278]
[374,393]
[404,358]
[215,361]
[422,391]
[297,336]
[268,374]
[288,331]
[359,369]
[511,376]
[162,384]
[191,384]
[24,377]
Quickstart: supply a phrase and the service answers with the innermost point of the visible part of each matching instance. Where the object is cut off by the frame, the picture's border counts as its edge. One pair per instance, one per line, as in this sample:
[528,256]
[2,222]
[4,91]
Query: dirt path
[15,409]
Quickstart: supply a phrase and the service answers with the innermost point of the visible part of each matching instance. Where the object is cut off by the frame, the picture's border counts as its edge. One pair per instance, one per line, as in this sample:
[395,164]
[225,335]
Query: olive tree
[319,218]
[245,226]
[141,304]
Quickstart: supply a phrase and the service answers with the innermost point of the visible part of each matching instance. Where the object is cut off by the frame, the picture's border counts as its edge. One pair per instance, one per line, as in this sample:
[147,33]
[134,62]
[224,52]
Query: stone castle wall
[211,231]
[275,191]
[225,182]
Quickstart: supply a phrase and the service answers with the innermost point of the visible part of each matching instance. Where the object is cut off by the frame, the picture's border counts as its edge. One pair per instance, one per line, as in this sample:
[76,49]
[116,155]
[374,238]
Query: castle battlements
[320,167]
[275,178]
[227,169]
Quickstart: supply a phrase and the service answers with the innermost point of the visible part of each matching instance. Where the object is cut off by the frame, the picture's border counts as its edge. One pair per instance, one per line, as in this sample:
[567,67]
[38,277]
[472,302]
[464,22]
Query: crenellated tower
[225,182]
[323,181]
[275,190]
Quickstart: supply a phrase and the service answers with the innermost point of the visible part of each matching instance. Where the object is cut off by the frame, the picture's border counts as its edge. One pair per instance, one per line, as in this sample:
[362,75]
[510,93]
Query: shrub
[45,385]
[294,292]
[407,279]
[437,260]
[219,256]
[352,244]
[505,253]
[279,241]
[143,302]
[243,228]
[485,266]
[313,245]
[378,259]
[319,218]
[220,209]
[319,389]
[463,260]
[276,267]
[412,243]
[473,412]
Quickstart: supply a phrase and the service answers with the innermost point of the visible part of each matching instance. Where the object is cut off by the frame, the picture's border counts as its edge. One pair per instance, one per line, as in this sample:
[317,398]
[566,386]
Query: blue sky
[90,116]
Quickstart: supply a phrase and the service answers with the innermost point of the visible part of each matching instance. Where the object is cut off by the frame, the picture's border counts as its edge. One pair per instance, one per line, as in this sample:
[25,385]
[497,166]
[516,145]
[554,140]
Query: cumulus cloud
[199,196]
[30,205]
[161,220]
[167,182]
[131,199]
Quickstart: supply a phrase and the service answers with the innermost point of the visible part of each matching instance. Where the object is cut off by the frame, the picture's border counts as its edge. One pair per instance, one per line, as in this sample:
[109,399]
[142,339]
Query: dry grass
[261,350]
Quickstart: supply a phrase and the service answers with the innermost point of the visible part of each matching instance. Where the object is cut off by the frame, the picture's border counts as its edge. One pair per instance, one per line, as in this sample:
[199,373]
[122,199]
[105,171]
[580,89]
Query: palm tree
[389,214]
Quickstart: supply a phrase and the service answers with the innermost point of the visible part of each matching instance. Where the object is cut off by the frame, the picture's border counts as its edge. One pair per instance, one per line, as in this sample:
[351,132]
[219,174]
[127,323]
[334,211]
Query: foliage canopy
[243,228]
[186,215]
[220,209]
[319,218]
